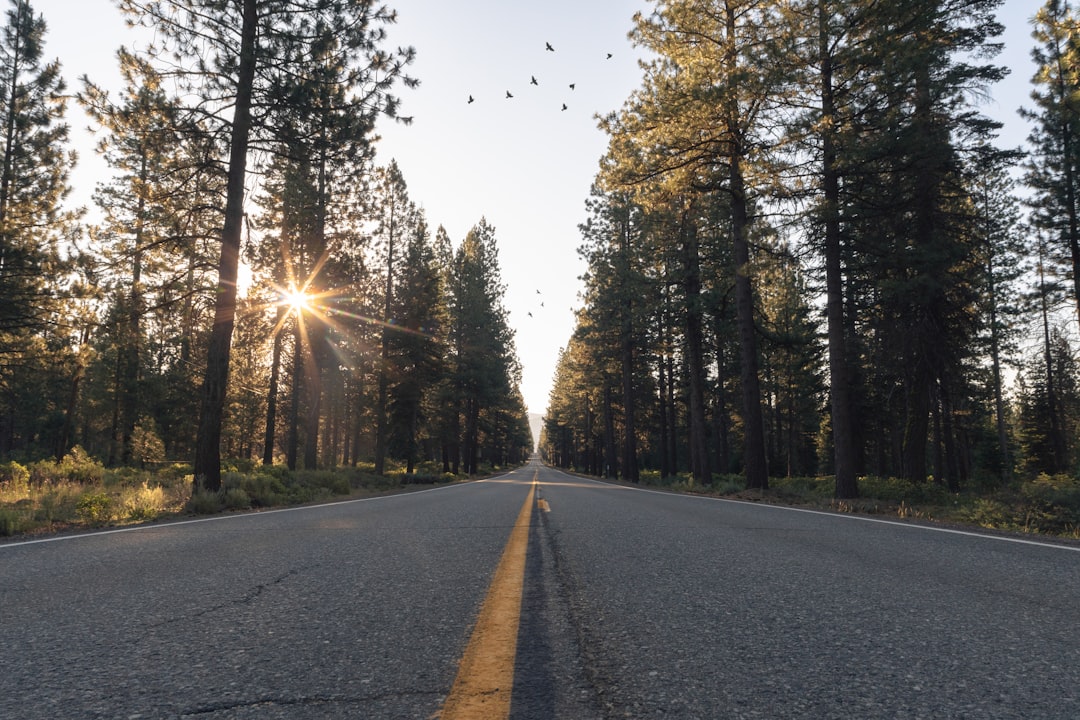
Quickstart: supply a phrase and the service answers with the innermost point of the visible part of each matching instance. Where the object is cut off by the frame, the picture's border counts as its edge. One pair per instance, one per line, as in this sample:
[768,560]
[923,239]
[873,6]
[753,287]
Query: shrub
[146,445]
[425,478]
[14,475]
[263,490]
[57,502]
[203,502]
[95,508]
[76,466]
[235,499]
[336,483]
[144,502]
[11,521]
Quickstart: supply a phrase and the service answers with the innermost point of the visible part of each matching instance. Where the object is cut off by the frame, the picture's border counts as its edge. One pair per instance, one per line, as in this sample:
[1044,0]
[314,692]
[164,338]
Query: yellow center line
[485,676]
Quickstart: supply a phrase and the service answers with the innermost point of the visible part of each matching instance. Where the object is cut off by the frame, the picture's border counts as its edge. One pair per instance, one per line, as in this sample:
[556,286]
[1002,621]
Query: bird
[537,292]
[508,95]
[572,85]
[547,46]
[609,56]
[471,100]
[530,314]
[533,80]
[541,303]
[564,106]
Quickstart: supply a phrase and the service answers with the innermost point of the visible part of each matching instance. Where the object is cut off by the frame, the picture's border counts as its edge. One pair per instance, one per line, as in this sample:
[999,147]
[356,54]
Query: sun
[296,300]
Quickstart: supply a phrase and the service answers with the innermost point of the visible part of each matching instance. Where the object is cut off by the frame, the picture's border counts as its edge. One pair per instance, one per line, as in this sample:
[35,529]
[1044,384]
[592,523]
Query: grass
[1046,505]
[79,492]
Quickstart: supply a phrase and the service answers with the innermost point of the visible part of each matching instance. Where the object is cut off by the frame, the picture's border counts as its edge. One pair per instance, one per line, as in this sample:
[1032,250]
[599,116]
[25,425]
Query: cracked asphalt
[346,610]
[636,605]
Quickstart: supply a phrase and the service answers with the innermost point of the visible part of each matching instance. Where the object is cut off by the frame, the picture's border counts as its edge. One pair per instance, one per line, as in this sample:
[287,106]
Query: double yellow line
[485,677]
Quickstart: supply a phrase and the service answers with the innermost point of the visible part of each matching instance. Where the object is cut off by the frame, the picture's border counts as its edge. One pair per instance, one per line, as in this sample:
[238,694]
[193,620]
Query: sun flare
[296,300]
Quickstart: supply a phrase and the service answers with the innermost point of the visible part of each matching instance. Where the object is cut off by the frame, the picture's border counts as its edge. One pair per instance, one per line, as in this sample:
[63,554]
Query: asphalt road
[635,605]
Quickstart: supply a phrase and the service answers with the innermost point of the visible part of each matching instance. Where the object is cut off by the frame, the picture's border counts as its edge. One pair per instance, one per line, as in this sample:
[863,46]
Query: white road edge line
[237,516]
[845,516]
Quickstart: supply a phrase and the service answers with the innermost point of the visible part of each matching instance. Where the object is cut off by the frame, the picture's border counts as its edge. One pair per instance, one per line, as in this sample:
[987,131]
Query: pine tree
[240,58]
[1053,169]
[483,371]
[34,167]
[396,218]
[137,239]
[697,126]
[416,343]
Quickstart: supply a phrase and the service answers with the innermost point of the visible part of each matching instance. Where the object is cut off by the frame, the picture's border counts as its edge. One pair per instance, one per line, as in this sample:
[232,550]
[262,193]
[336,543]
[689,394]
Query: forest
[810,255]
[363,335]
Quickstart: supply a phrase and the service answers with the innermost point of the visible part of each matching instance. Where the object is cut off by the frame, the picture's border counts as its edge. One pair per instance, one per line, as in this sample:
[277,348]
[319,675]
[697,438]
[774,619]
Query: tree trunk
[754,461]
[755,465]
[381,420]
[665,460]
[611,457]
[840,381]
[629,445]
[272,393]
[700,468]
[292,443]
[207,466]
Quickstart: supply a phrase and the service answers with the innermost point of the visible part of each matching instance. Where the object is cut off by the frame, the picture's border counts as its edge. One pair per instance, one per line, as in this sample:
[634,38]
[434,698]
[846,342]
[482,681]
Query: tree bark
[207,465]
[700,468]
[846,485]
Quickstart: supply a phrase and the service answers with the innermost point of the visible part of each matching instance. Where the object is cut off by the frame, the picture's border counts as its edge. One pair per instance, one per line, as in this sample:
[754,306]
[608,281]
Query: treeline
[809,253]
[244,133]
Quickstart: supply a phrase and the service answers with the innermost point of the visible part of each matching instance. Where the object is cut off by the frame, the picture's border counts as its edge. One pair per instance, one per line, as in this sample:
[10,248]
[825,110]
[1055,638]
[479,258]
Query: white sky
[523,163]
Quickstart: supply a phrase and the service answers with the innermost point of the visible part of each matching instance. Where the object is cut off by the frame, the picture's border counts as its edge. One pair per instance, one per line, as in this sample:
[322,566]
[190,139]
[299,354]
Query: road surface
[629,604]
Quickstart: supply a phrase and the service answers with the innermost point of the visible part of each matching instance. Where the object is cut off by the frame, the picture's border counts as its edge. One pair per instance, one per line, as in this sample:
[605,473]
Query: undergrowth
[78,491]
[1044,504]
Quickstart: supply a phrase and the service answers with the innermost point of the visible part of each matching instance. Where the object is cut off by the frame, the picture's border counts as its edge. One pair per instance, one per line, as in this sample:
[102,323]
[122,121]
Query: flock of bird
[533,81]
[541,305]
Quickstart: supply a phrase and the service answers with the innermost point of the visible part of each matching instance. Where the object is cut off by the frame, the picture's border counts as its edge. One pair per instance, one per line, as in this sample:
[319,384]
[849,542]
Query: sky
[523,163]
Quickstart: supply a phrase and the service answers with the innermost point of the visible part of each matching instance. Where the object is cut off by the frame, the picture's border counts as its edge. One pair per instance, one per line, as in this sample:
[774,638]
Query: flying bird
[564,106]
[471,100]
[547,46]
[530,314]
[508,95]
[609,56]
[572,85]
[533,80]
[537,292]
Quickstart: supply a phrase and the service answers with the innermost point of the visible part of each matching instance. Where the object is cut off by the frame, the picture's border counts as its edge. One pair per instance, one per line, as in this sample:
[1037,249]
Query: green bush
[144,502]
[76,466]
[263,490]
[337,483]
[425,478]
[235,499]
[146,444]
[245,466]
[203,502]
[896,490]
[95,508]
[11,521]
[14,474]
[57,503]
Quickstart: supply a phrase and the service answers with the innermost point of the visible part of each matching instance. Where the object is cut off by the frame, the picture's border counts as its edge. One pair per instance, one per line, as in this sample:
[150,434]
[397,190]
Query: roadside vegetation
[1045,504]
[79,492]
